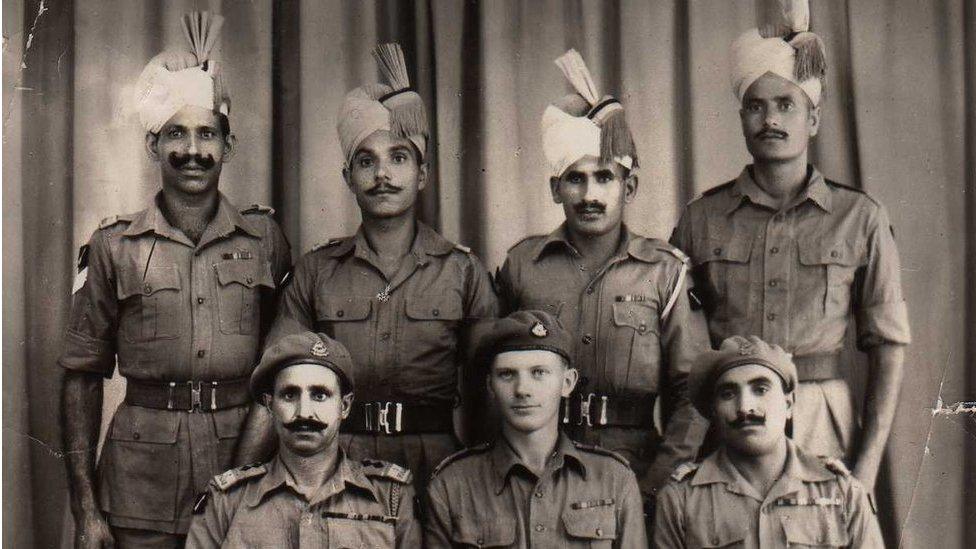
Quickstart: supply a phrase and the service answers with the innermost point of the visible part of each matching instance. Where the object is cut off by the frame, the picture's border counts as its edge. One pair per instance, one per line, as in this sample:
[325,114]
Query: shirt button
[599,531]
[385,335]
[774,250]
[773,283]
[540,528]
[771,316]
[200,300]
[833,253]
[201,352]
[136,436]
[589,290]
[249,280]
[642,328]
[340,313]
[717,251]
[587,339]
[538,494]
[147,288]
[436,312]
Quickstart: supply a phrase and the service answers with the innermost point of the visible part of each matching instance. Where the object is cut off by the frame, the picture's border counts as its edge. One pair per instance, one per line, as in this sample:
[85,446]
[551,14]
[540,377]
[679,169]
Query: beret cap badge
[320,350]
[539,330]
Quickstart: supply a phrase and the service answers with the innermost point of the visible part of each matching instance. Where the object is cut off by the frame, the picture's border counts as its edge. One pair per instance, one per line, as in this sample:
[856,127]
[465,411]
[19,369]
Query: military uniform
[485,497]
[795,278]
[364,504]
[812,504]
[635,337]
[184,322]
[404,335]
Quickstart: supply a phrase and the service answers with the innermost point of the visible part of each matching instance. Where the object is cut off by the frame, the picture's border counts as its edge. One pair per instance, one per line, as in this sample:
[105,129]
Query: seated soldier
[532,487]
[759,489]
[310,494]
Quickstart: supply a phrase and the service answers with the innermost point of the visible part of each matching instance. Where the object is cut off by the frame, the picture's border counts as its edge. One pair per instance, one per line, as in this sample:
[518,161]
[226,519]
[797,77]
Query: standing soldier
[783,253]
[177,294]
[622,296]
[396,294]
[533,486]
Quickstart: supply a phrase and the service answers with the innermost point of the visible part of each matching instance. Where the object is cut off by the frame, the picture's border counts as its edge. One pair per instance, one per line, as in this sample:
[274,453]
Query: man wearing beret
[179,296]
[533,486]
[759,489]
[311,494]
[622,296]
[783,253]
[398,295]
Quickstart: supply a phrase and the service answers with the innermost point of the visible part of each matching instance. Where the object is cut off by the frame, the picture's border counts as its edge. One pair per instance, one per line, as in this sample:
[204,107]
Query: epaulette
[462,248]
[113,220]
[385,469]
[676,253]
[601,451]
[842,186]
[719,188]
[258,209]
[513,246]
[224,481]
[683,470]
[471,450]
[835,465]
[330,243]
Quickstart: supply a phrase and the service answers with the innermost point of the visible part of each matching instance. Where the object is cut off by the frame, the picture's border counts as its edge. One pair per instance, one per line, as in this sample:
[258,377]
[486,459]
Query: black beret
[521,331]
[301,348]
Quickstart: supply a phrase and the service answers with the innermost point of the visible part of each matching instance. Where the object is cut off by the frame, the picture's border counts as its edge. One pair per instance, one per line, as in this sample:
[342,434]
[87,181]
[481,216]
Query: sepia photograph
[489,273]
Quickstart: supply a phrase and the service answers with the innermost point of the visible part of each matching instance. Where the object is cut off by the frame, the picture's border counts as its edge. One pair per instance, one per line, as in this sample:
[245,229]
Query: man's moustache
[306,425]
[747,419]
[381,188]
[178,161]
[590,206]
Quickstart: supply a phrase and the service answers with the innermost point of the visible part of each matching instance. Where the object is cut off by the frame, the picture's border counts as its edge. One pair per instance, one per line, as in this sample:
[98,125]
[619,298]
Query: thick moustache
[383,189]
[749,420]
[305,425]
[180,161]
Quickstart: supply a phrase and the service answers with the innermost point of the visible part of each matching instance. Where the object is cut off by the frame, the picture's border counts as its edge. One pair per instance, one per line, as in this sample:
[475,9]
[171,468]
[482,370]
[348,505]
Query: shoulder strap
[683,470]
[228,479]
[458,455]
[258,209]
[601,451]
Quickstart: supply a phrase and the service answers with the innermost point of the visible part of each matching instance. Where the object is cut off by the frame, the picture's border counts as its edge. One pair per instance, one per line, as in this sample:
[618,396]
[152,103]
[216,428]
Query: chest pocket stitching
[815,252]
[131,283]
[355,534]
[806,532]
[591,523]
[634,315]
[157,316]
[736,248]
[245,273]
[434,307]
[496,532]
[344,309]
[148,426]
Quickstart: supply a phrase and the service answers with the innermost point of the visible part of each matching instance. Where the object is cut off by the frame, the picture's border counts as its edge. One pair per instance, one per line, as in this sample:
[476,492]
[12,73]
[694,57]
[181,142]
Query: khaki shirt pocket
[227,426]
[345,533]
[431,322]
[722,268]
[634,350]
[239,284]
[826,276]
[816,527]
[727,537]
[345,318]
[150,303]
[476,531]
[593,526]
[140,464]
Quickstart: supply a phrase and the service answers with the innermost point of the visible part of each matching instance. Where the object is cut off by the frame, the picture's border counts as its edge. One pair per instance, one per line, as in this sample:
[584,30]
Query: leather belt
[398,418]
[818,367]
[192,396]
[602,410]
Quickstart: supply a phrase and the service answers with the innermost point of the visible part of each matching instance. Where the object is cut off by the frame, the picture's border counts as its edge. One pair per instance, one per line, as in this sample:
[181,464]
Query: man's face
[593,195]
[308,407]
[191,150]
[751,409]
[778,119]
[385,175]
[528,386]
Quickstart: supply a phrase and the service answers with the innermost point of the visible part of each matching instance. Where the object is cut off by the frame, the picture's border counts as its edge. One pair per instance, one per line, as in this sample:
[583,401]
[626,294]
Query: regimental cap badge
[320,350]
[538,330]
[745,348]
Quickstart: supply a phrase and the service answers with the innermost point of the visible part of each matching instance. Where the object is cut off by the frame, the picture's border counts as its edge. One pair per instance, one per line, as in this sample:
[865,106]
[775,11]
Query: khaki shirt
[794,277]
[485,497]
[403,334]
[635,331]
[364,504]
[171,311]
[809,505]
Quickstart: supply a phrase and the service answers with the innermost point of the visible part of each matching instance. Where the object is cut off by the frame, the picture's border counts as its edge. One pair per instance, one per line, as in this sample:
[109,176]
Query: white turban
[567,138]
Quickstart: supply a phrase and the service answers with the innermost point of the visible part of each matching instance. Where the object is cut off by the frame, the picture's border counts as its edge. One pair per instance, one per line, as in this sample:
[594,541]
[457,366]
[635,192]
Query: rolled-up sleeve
[880,310]
[90,340]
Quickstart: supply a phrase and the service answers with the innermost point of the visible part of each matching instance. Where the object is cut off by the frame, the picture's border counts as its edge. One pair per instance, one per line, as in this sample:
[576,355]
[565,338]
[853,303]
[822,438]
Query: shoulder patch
[385,469]
[602,451]
[719,188]
[226,480]
[258,209]
[835,465]
[462,248]
[331,242]
[113,220]
[470,451]
[683,470]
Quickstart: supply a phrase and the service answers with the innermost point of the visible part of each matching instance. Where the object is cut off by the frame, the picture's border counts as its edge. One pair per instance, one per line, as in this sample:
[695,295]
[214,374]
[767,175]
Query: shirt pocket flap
[132,282]
[245,273]
[815,252]
[818,532]
[135,424]
[724,537]
[429,307]
[344,308]
[736,249]
[483,532]
[633,315]
[228,423]
[592,523]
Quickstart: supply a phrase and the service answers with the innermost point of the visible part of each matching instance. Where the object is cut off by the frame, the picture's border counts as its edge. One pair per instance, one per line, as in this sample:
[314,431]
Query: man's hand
[92,532]
[884,383]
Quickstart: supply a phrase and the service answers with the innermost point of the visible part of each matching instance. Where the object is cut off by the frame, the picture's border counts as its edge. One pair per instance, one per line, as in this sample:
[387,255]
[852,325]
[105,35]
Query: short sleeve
[880,310]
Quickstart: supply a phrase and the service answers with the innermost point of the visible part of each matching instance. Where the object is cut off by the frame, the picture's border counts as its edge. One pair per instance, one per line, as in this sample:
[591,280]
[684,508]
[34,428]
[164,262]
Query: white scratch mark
[30,36]
[964,407]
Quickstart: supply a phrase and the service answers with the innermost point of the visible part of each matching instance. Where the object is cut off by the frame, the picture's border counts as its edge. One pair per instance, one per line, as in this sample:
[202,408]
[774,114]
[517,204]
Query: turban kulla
[176,79]
[782,45]
[584,123]
[396,107]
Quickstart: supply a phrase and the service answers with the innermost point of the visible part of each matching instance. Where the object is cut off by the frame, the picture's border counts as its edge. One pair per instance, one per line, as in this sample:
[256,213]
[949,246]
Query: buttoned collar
[504,460]
[800,468]
[629,244]
[348,473]
[427,242]
[225,221]
[745,188]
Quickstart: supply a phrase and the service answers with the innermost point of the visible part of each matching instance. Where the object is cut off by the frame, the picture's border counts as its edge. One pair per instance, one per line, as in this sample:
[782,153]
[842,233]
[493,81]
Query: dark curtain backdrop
[899,121]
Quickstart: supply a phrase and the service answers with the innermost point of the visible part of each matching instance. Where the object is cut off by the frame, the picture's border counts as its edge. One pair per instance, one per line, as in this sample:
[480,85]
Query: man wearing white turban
[787,255]
[179,296]
[622,296]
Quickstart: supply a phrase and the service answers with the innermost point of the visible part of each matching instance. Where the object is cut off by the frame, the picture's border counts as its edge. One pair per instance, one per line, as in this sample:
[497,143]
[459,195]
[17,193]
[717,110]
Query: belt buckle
[585,404]
[384,417]
[368,408]
[195,404]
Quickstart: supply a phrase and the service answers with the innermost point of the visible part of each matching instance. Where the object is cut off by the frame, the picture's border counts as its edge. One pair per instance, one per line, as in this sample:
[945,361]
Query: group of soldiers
[603,389]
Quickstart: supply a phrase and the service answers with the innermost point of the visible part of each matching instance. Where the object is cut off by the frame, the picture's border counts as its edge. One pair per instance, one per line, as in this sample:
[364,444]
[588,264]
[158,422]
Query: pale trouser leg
[824,421]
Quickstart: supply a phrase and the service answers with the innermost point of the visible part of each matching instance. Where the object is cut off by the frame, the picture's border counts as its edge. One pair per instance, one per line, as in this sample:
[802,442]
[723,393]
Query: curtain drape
[899,121]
